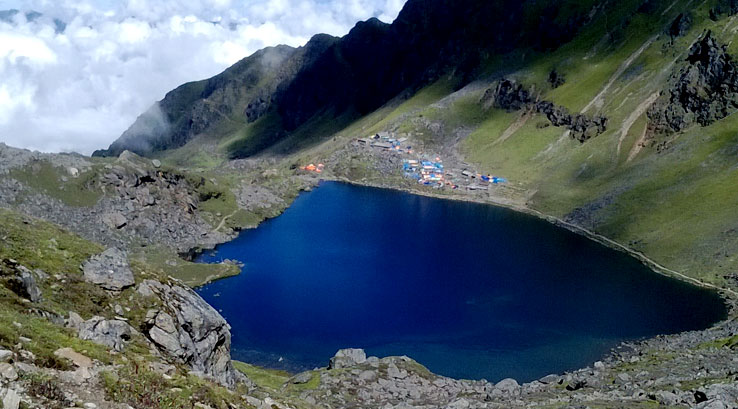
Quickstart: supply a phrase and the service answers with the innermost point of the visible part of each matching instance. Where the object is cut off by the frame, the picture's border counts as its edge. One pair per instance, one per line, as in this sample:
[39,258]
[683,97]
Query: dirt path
[671,6]
[628,123]
[225,218]
[514,127]
[637,146]
[597,100]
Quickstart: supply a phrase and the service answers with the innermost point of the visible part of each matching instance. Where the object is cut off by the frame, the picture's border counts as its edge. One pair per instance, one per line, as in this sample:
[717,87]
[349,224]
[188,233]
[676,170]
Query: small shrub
[49,389]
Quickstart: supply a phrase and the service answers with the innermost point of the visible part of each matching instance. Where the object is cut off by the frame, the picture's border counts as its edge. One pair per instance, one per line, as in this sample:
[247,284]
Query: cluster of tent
[314,168]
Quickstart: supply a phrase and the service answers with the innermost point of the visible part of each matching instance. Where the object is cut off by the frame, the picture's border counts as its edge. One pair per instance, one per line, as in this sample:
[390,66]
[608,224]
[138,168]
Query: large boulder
[112,333]
[346,358]
[114,220]
[20,280]
[109,270]
[10,399]
[189,331]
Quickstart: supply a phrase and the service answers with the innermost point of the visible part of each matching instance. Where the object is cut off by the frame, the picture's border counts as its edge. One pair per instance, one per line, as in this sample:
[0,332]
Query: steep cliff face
[704,90]
[350,76]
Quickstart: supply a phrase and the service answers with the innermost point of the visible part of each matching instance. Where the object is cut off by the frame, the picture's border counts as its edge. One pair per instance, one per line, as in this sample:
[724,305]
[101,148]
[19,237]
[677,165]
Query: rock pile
[705,90]
[512,96]
[109,270]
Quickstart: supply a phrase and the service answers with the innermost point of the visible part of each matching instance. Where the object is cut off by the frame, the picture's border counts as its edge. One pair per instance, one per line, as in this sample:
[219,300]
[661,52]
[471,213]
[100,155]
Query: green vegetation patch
[730,342]
[164,263]
[39,244]
[265,378]
[274,379]
[43,176]
[45,337]
[136,385]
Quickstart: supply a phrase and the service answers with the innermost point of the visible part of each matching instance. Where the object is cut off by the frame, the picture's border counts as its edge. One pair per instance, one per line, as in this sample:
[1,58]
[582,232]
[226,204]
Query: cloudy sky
[74,74]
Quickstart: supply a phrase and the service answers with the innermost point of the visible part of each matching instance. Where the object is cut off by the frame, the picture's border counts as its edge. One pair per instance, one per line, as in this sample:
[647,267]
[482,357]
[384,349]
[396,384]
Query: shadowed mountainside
[272,93]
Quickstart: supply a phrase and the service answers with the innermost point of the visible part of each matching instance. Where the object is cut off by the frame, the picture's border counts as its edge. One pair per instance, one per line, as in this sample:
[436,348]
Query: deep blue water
[468,290]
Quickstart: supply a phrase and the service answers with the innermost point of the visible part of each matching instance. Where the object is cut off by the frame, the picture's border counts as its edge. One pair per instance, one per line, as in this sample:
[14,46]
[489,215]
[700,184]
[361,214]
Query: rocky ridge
[703,91]
[333,79]
[138,202]
[512,96]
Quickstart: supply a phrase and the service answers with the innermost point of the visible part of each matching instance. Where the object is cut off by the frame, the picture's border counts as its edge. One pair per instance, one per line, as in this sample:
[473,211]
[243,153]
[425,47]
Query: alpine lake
[468,290]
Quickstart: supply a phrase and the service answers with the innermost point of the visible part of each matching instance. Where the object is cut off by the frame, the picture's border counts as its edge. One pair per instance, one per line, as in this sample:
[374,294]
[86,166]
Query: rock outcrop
[189,331]
[346,358]
[109,270]
[512,96]
[681,25]
[114,334]
[341,77]
[703,91]
[19,280]
[140,203]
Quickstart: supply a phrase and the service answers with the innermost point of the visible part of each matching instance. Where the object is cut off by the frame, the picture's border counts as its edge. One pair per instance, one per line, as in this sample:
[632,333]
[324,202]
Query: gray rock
[156,163]
[7,371]
[11,400]
[109,270]
[346,358]
[5,355]
[114,220]
[111,333]
[508,387]
[302,377]
[191,332]
[548,379]
[74,320]
[21,281]
[368,376]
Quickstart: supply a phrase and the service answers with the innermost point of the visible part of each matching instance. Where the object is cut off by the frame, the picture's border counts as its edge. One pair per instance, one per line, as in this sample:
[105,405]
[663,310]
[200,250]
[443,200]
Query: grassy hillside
[673,203]
[675,206]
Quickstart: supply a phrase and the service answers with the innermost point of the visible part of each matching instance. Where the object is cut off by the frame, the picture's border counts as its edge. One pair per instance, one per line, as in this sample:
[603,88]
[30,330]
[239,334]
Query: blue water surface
[468,290]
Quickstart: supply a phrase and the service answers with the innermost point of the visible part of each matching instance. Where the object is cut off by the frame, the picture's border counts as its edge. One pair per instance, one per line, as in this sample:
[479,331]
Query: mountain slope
[624,77]
[349,77]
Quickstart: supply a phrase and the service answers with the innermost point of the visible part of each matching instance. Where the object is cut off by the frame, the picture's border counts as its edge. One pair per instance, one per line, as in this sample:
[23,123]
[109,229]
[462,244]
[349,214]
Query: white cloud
[79,89]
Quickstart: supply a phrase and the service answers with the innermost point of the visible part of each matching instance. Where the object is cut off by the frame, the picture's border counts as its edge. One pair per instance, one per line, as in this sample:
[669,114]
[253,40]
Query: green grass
[275,380]
[265,378]
[420,100]
[254,137]
[136,385]
[46,178]
[45,336]
[730,342]
[164,263]
[39,244]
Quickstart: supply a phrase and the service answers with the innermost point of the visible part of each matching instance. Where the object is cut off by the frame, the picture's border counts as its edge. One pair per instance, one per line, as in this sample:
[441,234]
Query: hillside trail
[514,127]
[638,145]
[633,117]
[225,218]
[598,99]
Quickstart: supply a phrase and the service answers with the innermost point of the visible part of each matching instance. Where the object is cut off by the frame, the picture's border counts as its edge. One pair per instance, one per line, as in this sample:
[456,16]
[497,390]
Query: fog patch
[76,73]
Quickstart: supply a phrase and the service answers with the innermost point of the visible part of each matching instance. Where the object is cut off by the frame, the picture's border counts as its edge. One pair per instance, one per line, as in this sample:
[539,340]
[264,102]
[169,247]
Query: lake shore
[656,267]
